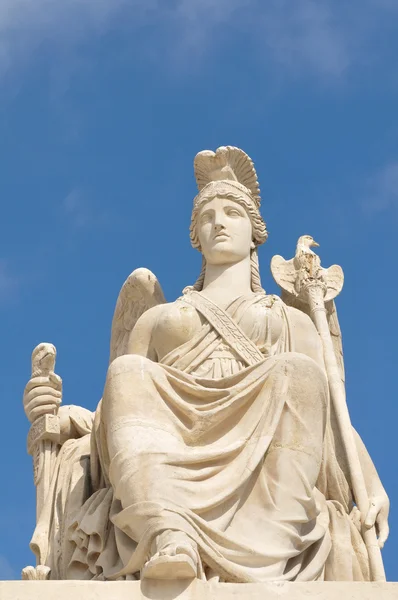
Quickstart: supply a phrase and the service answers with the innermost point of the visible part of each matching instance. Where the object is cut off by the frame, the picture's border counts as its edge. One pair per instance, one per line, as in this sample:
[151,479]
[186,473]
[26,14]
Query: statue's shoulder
[279,305]
[151,316]
[271,301]
[299,317]
[167,313]
[304,333]
[299,320]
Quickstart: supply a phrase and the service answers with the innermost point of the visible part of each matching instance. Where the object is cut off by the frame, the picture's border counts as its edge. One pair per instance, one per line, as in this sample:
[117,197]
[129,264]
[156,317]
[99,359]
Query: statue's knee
[122,388]
[307,380]
[128,363]
[300,364]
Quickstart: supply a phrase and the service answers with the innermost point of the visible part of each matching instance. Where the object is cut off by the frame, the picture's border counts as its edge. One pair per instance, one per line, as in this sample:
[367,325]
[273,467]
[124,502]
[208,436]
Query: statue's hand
[42,396]
[379,507]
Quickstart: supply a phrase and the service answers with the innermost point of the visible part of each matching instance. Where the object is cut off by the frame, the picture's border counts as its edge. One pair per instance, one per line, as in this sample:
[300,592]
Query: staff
[305,279]
[315,293]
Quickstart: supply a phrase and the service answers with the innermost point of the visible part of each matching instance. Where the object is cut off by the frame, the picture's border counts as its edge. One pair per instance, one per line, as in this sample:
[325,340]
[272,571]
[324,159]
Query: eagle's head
[305,242]
[43,358]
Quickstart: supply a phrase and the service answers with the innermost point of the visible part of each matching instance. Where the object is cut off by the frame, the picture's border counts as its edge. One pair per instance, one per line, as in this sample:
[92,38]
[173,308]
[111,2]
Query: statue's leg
[292,465]
[141,438]
[297,444]
[148,430]
[173,556]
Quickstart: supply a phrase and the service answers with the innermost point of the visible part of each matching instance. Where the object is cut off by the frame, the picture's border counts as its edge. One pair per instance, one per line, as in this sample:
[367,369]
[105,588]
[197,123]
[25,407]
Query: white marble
[196,590]
[222,449]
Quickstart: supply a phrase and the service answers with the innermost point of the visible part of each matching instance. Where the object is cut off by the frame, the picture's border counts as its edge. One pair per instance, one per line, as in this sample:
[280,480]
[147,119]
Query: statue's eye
[205,218]
[233,212]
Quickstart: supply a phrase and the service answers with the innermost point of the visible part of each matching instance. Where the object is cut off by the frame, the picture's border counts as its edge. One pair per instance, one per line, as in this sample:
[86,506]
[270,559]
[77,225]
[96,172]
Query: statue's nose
[219,226]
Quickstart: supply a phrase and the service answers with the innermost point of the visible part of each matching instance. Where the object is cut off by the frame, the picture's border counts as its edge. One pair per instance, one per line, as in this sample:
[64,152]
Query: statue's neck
[224,283]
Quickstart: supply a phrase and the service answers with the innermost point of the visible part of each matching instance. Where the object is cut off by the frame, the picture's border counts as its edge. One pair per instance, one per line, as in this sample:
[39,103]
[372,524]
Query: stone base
[196,590]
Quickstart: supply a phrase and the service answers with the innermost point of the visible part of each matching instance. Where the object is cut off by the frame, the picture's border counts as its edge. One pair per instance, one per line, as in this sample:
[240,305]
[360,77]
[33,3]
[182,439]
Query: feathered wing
[335,333]
[285,274]
[335,279]
[140,291]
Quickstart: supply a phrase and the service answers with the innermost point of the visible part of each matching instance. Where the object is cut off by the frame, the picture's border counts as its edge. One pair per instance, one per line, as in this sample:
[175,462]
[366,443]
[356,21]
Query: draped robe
[245,459]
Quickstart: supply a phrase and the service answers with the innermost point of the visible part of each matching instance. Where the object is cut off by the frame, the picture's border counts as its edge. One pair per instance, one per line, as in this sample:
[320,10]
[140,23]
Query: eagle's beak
[314,243]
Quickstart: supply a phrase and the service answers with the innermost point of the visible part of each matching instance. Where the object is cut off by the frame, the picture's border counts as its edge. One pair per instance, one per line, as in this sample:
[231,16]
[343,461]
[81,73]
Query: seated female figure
[218,440]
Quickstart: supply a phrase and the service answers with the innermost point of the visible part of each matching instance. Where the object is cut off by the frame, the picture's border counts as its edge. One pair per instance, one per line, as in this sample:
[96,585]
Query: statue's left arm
[307,342]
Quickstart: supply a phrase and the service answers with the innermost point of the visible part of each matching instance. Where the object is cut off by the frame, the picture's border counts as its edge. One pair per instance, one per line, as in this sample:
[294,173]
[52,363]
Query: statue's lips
[221,237]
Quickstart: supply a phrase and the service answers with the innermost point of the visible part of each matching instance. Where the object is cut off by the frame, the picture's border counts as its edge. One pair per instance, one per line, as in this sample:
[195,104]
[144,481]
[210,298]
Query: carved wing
[335,333]
[140,291]
[285,274]
[334,277]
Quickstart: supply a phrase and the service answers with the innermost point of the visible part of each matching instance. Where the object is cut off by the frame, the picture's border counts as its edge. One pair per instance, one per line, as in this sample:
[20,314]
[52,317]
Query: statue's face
[224,231]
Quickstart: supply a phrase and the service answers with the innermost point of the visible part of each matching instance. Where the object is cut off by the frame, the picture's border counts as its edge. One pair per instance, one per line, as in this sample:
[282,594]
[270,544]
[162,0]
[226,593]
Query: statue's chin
[223,254]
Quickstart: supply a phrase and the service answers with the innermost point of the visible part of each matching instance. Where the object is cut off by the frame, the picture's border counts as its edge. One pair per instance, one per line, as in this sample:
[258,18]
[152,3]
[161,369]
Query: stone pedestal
[196,590]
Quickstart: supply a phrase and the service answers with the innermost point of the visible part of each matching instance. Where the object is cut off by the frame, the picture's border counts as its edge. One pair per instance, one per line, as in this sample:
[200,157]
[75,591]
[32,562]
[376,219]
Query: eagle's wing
[140,291]
[334,277]
[285,274]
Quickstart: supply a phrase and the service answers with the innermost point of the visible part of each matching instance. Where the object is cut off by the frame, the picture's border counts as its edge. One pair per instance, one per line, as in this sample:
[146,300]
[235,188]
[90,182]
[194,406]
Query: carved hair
[255,272]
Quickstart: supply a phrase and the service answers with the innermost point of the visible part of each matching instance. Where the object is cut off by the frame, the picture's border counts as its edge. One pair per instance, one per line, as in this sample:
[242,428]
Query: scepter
[303,278]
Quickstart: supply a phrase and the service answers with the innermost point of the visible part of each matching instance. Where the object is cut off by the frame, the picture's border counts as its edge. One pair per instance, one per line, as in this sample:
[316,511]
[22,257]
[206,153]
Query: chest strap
[226,327]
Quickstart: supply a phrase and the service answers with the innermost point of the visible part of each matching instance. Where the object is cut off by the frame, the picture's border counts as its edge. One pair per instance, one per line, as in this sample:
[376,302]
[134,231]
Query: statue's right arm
[141,337]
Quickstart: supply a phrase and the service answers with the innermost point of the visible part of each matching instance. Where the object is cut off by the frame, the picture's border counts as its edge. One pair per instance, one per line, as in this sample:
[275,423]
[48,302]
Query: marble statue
[222,447]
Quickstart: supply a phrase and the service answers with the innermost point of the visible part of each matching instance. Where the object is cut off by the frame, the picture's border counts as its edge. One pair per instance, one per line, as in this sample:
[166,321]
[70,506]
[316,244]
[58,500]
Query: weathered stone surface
[196,590]
[222,448]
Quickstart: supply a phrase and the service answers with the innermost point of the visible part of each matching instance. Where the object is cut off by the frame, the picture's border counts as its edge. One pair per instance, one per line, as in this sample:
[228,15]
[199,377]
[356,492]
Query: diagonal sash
[225,327]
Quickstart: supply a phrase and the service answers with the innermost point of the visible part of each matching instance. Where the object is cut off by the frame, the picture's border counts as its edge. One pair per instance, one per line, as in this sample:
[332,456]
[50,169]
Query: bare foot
[176,557]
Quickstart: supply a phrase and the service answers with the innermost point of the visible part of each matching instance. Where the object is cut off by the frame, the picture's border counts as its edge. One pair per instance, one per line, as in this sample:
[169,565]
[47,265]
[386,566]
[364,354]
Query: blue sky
[104,104]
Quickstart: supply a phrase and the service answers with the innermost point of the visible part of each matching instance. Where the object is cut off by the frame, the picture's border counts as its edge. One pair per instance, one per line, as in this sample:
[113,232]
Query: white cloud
[76,209]
[319,37]
[27,24]
[382,190]
[6,570]
[8,282]
[325,38]
[307,35]
[82,213]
